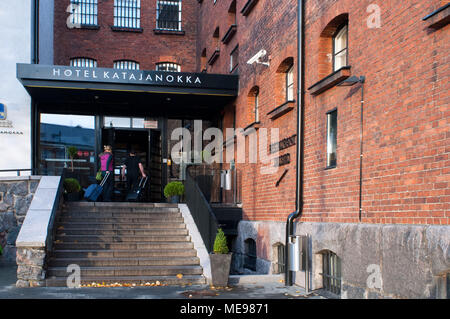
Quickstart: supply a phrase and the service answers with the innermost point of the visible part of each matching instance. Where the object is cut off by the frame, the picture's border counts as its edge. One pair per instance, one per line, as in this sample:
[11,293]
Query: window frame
[329,164]
[82,15]
[131,15]
[127,63]
[158,12]
[256,106]
[334,53]
[290,86]
[83,59]
[168,64]
[233,66]
[331,272]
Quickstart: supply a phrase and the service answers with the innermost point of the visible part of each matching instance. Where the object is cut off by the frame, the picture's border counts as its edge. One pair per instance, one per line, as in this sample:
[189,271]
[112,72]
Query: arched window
[250,254]
[83,62]
[340,48]
[333,46]
[168,67]
[331,272]
[285,81]
[126,65]
[253,105]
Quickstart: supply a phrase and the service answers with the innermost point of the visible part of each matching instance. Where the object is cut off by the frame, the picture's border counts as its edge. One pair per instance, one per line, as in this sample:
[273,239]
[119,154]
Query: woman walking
[106,165]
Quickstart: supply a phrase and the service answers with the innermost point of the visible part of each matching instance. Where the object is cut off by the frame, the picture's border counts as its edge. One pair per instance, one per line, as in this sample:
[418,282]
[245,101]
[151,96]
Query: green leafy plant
[71,185]
[174,189]
[1,250]
[220,243]
[72,151]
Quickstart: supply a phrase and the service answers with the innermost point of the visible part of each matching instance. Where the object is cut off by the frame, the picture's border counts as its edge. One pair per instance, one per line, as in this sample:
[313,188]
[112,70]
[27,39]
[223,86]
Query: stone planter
[220,269]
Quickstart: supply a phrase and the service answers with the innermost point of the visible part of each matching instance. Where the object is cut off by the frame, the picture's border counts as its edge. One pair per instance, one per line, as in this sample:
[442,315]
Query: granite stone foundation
[377,261]
[16,194]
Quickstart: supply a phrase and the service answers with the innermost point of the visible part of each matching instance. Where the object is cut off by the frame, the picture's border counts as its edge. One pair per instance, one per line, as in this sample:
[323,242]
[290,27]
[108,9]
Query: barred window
[84,12]
[168,67]
[168,15]
[126,65]
[127,13]
[83,63]
[331,272]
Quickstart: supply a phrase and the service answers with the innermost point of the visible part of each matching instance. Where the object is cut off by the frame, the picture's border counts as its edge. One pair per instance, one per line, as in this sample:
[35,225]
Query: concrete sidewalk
[267,287]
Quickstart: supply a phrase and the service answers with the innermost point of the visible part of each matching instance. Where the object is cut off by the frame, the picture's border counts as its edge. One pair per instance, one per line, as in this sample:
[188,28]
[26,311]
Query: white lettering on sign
[131,76]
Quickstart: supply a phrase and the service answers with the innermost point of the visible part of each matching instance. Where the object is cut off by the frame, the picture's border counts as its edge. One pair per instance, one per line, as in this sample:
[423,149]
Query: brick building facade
[375,183]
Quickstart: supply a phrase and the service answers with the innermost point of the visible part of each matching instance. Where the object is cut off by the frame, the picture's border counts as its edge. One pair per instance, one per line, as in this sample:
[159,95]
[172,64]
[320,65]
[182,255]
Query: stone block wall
[16,194]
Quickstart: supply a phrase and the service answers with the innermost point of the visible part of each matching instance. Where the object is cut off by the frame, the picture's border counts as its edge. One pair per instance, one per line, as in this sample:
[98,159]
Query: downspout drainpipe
[300,146]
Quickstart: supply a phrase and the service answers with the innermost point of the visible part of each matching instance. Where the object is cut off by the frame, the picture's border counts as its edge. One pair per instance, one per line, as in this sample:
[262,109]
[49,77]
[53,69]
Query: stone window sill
[330,81]
[88,27]
[439,18]
[169,32]
[254,125]
[229,35]
[214,57]
[123,29]
[248,7]
[279,111]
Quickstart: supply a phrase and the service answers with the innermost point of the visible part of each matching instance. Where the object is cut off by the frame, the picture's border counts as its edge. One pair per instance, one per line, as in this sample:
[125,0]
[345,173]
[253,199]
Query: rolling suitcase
[136,194]
[93,192]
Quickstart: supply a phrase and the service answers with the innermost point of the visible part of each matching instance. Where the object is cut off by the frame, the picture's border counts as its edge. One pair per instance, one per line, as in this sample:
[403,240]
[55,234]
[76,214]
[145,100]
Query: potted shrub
[220,260]
[173,191]
[72,189]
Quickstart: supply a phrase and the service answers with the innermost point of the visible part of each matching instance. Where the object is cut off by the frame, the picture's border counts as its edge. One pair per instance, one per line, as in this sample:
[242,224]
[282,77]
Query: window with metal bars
[127,14]
[331,272]
[168,15]
[168,67]
[126,65]
[84,12]
[83,63]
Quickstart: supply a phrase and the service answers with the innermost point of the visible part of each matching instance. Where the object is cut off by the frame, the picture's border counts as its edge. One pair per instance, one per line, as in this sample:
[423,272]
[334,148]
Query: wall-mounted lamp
[352,81]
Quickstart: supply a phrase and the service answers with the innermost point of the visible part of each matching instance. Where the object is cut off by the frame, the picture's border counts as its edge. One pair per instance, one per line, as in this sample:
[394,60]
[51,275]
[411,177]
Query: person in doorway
[134,168]
[106,165]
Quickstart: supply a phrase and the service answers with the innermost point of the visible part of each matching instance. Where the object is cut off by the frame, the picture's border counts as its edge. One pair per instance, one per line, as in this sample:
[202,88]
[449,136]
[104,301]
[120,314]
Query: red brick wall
[107,46]
[406,166]
[270,26]
[406,115]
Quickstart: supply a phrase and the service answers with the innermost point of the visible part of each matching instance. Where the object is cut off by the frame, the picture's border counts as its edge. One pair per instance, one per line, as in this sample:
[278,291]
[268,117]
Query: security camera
[257,58]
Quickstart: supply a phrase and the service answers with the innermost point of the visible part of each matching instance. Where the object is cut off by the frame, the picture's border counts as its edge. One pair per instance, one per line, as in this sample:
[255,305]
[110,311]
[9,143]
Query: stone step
[126,232]
[89,205]
[64,238]
[118,210]
[129,253]
[118,220]
[132,246]
[163,280]
[128,271]
[121,226]
[108,262]
[120,215]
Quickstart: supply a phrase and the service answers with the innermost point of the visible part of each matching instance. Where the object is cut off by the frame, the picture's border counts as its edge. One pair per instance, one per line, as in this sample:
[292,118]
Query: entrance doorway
[147,145]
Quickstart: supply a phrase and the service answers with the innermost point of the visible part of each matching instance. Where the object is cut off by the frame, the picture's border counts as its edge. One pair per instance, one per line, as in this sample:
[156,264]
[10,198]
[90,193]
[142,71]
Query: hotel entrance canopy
[87,90]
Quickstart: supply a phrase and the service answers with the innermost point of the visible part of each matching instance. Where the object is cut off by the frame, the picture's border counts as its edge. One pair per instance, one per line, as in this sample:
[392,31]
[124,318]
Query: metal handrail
[201,211]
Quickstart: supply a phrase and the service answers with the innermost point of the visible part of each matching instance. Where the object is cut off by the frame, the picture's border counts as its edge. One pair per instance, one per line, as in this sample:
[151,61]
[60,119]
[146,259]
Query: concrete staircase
[125,243]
